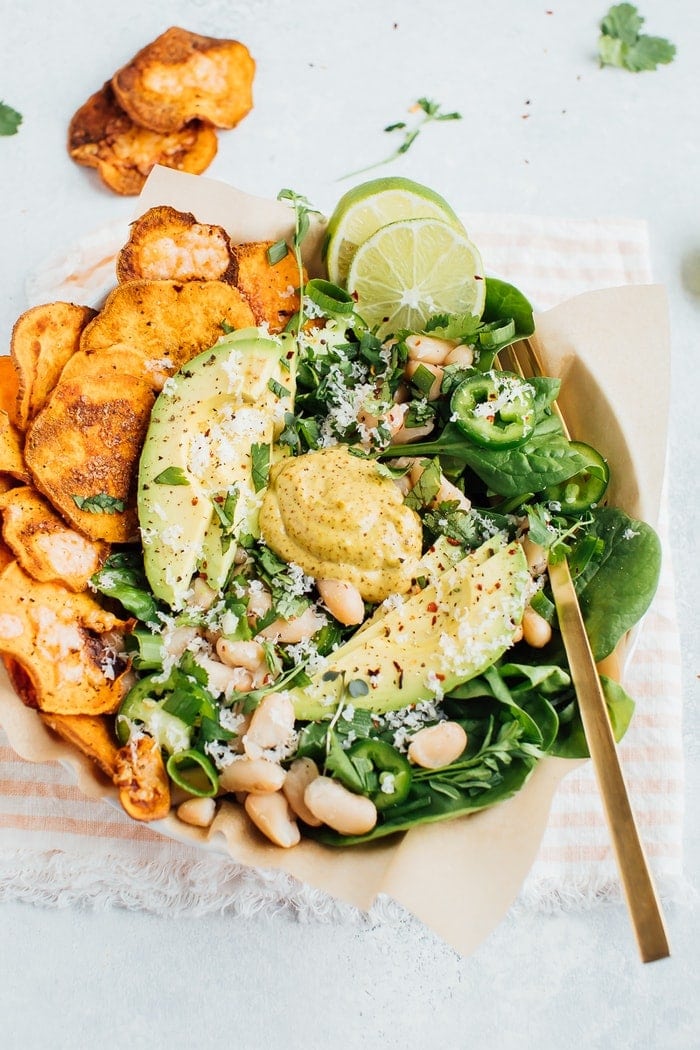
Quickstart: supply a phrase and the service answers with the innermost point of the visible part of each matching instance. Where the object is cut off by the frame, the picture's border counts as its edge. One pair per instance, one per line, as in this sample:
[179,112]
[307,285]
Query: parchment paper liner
[459,877]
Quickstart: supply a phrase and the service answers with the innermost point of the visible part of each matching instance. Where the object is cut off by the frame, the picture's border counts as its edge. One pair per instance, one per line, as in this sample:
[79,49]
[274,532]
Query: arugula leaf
[621,44]
[100,503]
[10,120]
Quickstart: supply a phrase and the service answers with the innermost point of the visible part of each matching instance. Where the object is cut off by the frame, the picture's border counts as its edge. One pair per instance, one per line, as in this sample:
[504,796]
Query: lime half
[408,271]
[365,208]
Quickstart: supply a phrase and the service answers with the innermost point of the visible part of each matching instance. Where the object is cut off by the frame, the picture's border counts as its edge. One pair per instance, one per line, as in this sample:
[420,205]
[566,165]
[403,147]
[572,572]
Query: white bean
[240,654]
[536,630]
[461,355]
[197,811]
[427,349]
[203,596]
[222,679]
[435,370]
[536,556]
[406,435]
[252,774]
[271,815]
[340,809]
[437,745]
[297,630]
[343,601]
[272,723]
[299,775]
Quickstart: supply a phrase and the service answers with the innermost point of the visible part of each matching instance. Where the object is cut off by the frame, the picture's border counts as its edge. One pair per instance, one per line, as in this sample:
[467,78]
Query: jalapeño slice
[585,489]
[383,765]
[494,409]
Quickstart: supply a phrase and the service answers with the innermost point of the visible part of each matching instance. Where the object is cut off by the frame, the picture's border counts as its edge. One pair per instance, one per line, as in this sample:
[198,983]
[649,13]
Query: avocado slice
[446,634]
[197,452]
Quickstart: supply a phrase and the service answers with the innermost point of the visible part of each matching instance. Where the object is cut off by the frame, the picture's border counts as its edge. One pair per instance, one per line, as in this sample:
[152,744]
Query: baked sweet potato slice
[83,447]
[91,734]
[59,646]
[45,547]
[9,388]
[144,787]
[12,460]
[166,322]
[181,76]
[166,244]
[102,136]
[85,443]
[43,340]
[270,289]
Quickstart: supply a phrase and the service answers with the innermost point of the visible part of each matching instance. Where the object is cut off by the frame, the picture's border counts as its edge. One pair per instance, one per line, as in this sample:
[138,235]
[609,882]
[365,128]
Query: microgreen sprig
[303,210]
[428,111]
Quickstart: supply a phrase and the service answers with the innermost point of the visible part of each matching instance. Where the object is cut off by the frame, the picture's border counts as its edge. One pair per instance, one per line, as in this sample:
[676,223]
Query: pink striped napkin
[56,846]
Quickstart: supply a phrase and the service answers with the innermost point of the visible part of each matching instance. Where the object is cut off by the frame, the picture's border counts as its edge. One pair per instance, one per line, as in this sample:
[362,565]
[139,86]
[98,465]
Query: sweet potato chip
[182,75]
[144,787]
[56,651]
[43,340]
[91,734]
[83,447]
[102,136]
[270,289]
[45,547]
[166,322]
[11,454]
[9,388]
[165,244]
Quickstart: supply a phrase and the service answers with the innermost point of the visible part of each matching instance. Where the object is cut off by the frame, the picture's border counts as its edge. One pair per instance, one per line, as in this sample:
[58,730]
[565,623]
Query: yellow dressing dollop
[338,517]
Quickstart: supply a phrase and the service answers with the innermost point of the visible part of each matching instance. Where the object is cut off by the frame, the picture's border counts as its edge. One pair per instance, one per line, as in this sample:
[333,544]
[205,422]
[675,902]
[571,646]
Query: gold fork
[640,893]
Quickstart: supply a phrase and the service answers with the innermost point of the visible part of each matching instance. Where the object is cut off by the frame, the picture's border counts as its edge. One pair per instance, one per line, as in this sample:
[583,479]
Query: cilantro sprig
[10,120]
[622,44]
[427,111]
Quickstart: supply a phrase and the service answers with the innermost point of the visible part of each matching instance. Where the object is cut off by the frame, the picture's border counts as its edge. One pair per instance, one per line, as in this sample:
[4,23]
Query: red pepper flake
[432,607]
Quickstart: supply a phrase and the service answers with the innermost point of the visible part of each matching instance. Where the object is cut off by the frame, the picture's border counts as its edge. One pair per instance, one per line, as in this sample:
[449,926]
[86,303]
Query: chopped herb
[227,328]
[224,504]
[427,487]
[303,211]
[277,252]
[172,476]
[621,44]
[260,466]
[423,379]
[277,389]
[10,120]
[101,503]
[428,111]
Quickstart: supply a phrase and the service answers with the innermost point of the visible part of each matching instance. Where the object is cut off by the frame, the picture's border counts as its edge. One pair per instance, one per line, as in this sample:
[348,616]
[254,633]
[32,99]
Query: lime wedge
[408,271]
[363,209]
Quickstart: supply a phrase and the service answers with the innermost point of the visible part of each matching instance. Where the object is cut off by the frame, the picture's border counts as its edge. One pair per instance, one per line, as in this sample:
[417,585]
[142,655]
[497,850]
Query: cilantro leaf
[621,44]
[101,503]
[10,120]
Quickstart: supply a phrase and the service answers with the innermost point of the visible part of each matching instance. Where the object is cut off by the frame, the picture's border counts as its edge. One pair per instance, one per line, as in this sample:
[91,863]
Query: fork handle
[640,893]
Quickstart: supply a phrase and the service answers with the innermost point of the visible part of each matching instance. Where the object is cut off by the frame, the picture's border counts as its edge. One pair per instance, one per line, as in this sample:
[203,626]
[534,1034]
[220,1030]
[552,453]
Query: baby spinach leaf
[619,580]
[571,742]
[505,300]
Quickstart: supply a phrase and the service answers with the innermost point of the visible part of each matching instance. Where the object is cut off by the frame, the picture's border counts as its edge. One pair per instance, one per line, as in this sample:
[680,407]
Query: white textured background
[545,132]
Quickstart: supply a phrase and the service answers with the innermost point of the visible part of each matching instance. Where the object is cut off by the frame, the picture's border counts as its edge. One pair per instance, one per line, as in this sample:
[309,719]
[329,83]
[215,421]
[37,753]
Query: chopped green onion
[277,252]
[194,772]
[330,298]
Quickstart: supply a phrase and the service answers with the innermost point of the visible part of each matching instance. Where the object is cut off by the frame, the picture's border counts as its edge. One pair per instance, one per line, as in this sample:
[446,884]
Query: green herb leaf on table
[10,120]
[427,111]
[622,45]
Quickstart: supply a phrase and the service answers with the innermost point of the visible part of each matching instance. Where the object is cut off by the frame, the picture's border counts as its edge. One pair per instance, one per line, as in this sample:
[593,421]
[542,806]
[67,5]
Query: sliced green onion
[277,252]
[194,772]
[147,649]
[330,298]
[423,379]
[496,333]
